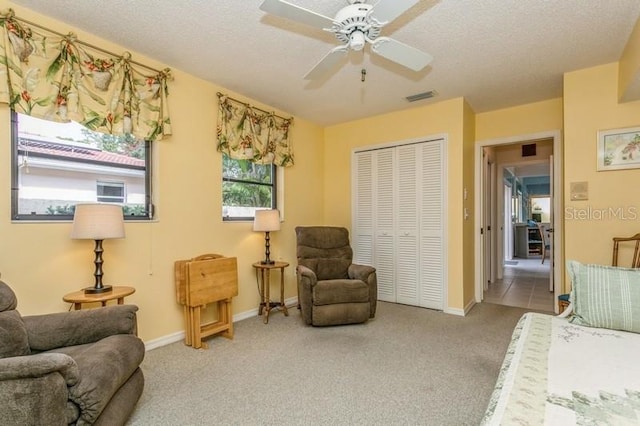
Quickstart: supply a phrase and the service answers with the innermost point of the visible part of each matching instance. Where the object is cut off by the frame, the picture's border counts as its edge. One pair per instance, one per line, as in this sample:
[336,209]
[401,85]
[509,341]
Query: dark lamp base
[267,262]
[95,290]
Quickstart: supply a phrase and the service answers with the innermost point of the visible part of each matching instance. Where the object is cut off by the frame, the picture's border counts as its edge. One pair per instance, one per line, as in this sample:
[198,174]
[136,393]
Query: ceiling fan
[355,25]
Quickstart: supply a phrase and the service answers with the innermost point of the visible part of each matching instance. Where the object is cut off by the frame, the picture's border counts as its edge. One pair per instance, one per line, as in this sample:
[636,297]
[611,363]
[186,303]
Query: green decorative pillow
[605,296]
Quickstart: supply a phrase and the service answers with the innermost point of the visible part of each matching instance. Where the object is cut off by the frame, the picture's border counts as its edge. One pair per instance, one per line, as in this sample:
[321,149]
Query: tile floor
[524,285]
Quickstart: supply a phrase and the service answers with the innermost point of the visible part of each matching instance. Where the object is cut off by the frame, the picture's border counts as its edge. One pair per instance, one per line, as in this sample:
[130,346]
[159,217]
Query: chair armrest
[306,275]
[34,389]
[360,272]
[307,279]
[368,275]
[568,311]
[39,365]
[63,329]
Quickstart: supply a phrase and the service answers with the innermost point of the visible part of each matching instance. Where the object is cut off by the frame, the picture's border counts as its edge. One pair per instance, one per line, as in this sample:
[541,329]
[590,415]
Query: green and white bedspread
[558,373]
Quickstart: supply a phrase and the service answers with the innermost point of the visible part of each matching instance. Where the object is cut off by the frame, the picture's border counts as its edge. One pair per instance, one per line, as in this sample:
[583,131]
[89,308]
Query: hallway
[525,285]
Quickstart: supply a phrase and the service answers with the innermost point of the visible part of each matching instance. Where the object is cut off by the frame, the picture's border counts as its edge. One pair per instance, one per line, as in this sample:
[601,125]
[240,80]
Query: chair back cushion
[325,250]
[14,340]
[8,300]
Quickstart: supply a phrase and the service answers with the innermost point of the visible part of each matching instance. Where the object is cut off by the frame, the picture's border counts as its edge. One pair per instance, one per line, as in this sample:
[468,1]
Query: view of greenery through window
[54,172]
[246,186]
[125,144]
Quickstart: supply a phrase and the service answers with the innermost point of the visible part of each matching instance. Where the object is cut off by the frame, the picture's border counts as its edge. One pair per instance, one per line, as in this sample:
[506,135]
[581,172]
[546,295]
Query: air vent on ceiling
[420,96]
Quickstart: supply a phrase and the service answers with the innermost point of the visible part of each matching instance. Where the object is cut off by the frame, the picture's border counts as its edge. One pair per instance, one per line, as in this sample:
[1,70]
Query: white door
[432,257]
[508,228]
[384,247]
[362,231]
[549,236]
[486,216]
[407,252]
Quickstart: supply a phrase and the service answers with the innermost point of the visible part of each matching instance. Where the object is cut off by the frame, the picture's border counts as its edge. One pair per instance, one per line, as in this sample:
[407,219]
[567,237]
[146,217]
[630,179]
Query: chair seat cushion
[328,292]
[104,367]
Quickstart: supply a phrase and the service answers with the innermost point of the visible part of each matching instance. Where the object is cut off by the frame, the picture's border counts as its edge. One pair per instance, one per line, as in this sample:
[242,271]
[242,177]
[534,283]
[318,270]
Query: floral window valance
[58,78]
[248,133]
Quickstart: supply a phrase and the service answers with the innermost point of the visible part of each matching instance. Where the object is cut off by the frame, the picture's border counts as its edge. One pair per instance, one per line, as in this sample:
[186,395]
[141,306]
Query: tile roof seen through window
[74,152]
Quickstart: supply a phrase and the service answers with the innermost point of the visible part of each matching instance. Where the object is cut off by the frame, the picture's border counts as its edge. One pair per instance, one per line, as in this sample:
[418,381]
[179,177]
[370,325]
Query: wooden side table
[117,293]
[263,278]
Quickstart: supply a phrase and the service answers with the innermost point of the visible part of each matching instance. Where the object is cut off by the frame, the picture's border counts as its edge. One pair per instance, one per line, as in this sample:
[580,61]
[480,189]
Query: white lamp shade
[266,220]
[97,222]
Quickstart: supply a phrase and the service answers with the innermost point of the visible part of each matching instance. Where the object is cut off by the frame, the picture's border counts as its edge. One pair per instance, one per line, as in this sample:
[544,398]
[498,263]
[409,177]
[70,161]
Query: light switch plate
[579,191]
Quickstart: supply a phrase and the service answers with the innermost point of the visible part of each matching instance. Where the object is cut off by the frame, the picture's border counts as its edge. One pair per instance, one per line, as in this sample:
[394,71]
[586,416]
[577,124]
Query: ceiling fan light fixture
[420,96]
[357,40]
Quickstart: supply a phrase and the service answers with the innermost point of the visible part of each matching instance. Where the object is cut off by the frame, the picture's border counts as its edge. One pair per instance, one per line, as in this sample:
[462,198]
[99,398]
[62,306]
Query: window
[58,165]
[247,186]
[541,209]
[110,192]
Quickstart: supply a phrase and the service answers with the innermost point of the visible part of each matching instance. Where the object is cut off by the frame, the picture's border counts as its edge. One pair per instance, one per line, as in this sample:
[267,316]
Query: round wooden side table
[263,277]
[117,293]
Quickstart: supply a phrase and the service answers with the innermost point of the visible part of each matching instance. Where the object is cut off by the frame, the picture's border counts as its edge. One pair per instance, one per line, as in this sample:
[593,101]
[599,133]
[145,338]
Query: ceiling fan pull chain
[364,75]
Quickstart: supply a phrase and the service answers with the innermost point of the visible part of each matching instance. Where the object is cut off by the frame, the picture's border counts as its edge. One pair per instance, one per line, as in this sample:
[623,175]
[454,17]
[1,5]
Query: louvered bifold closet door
[362,229]
[432,258]
[407,213]
[398,220]
[384,257]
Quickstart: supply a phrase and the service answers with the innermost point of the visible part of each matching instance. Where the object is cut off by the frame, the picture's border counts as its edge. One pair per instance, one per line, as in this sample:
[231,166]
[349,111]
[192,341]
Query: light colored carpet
[407,366]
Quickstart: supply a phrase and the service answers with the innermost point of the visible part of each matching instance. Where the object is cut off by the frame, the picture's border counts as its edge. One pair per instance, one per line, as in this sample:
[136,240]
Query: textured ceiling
[495,53]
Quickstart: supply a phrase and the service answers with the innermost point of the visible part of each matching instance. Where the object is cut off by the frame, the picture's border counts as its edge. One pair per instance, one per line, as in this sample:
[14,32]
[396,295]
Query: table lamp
[266,221]
[97,222]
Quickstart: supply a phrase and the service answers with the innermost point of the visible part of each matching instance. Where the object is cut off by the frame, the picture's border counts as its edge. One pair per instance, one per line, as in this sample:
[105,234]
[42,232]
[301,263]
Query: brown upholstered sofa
[78,367]
[331,289]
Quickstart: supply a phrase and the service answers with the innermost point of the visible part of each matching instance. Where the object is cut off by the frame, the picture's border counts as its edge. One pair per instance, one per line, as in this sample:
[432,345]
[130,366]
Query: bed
[582,370]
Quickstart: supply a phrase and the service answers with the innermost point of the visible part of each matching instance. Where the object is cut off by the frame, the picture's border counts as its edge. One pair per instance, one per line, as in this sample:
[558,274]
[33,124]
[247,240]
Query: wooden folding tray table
[209,278]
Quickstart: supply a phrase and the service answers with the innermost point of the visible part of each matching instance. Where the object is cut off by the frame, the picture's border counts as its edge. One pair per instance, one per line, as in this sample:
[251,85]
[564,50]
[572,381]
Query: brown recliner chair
[331,289]
[78,367]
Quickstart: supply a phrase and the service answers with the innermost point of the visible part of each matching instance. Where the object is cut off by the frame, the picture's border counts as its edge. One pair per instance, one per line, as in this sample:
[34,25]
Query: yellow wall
[591,104]
[445,117]
[520,120]
[41,262]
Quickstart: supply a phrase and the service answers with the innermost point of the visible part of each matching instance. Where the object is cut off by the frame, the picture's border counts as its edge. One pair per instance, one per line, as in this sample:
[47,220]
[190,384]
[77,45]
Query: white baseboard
[460,312]
[454,311]
[178,336]
[164,340]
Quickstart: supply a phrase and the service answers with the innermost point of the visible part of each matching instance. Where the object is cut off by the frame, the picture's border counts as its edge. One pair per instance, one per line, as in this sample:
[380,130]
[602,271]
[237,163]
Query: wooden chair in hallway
[563,299]
[545,240]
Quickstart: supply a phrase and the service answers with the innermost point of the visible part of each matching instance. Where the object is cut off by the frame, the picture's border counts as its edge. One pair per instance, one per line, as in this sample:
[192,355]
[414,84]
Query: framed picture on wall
[619,149]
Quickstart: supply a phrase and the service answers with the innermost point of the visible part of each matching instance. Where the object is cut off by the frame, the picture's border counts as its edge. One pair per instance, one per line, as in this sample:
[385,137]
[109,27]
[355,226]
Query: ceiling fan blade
[401,53]
[386,11]
[296,13]
[326,64]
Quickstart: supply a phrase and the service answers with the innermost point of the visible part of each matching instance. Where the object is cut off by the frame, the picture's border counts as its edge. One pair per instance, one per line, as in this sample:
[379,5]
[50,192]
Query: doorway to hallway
[503,274]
